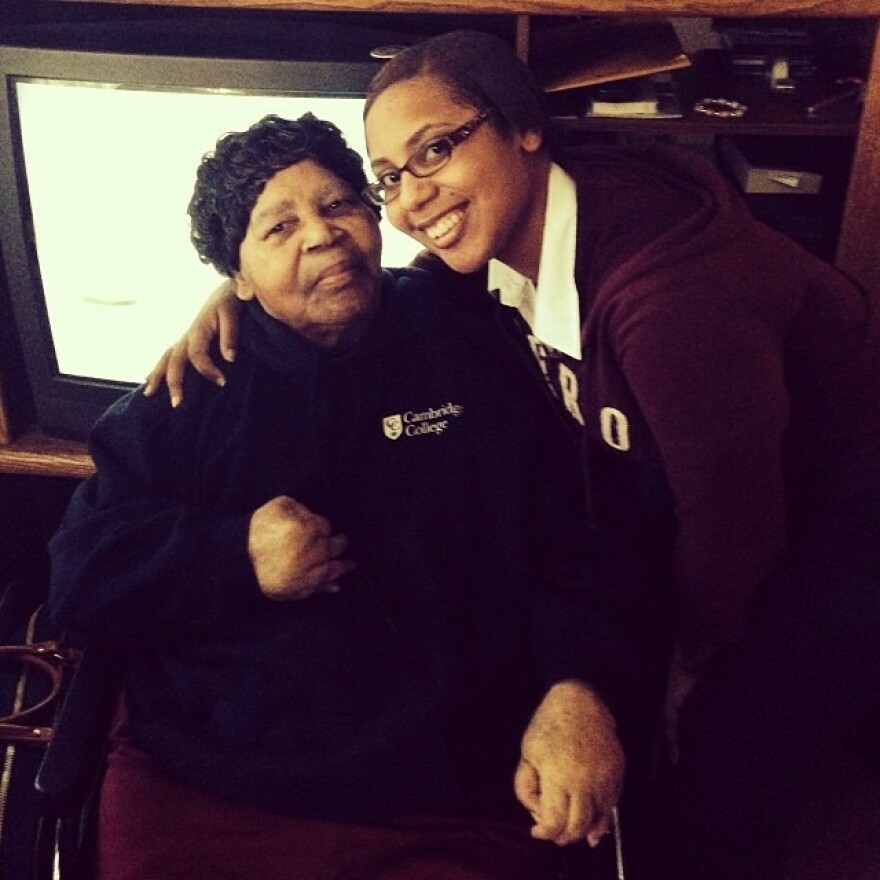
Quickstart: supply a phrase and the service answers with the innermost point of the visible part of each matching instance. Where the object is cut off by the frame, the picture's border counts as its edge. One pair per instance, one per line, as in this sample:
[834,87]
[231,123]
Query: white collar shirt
[551,309]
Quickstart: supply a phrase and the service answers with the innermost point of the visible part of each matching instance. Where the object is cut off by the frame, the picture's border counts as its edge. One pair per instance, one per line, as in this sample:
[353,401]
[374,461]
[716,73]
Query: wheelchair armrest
[74,757]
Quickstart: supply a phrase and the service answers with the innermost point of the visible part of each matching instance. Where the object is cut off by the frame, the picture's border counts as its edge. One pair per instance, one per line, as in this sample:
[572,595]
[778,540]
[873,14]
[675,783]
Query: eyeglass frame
[455,138]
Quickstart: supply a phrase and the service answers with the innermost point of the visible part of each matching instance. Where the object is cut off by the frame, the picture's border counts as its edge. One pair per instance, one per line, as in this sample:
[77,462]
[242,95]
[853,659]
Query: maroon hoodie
[729,387]
[741,368]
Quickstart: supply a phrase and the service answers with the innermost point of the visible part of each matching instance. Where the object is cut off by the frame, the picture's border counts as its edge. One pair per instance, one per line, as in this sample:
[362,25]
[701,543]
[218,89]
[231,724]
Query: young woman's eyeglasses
[428,159]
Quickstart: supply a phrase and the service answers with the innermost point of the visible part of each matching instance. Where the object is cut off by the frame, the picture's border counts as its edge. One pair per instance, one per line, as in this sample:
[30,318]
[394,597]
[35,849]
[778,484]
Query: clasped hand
[570,773]
[294,551]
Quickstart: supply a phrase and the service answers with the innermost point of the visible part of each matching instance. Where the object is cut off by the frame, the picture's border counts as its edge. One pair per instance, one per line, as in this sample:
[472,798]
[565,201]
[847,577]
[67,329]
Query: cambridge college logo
[392,426]
[430,422]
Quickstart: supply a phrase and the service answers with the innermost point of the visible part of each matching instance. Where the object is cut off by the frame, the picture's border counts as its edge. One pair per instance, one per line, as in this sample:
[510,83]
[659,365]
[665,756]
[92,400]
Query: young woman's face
[487,201]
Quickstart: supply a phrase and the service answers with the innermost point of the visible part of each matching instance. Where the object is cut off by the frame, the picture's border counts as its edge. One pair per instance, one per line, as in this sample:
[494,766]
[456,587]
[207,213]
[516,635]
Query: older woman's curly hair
[229,179]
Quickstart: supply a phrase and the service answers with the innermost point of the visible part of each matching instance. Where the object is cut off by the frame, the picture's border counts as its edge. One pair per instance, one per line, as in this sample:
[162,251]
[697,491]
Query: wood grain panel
[860,228]
[35,454]
[5,421]
[753,8]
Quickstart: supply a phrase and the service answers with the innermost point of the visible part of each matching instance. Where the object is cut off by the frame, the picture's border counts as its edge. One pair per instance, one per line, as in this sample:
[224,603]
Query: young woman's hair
[480,70]
[229,179]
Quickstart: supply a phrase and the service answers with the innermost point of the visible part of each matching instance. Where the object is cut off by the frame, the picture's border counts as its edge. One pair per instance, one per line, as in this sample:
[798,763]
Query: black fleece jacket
[433,448]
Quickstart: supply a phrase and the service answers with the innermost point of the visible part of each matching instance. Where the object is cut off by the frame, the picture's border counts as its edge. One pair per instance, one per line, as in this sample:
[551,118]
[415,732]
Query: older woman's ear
[240,286]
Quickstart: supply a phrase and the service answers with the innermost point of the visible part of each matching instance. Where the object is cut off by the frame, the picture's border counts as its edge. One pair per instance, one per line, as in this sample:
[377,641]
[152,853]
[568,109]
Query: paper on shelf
[590,51]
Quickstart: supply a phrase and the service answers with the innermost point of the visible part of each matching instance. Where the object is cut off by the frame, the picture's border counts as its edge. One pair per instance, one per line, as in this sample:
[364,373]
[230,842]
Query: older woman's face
[488,201]
[311,255]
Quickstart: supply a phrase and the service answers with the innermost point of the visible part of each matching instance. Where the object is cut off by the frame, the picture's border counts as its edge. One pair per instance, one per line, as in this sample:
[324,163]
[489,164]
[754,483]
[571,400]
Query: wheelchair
[69,779]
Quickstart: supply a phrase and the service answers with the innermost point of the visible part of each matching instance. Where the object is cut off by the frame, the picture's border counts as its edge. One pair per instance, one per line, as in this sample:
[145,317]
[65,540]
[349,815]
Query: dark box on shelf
[770,166]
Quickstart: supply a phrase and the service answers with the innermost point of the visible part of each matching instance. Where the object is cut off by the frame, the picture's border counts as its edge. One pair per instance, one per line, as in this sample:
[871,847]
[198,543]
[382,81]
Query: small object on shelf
[622,98]
[654,97]
[810,47]
[855,90]
[637,98]
[590,51]
[386,51]
[780,76]
[722,108]
[770,166]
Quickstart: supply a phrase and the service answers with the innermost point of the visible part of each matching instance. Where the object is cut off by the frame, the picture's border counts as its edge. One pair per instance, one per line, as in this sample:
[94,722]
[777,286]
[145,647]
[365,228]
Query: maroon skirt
[153,827]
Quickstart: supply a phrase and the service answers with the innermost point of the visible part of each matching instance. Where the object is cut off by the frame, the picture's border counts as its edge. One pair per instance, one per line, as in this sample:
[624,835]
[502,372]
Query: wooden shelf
[35,454]
[695,124]
[729,8]
[768,113]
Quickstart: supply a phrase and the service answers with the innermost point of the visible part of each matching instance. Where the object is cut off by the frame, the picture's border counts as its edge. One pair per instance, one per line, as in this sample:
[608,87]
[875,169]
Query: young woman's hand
[218,317]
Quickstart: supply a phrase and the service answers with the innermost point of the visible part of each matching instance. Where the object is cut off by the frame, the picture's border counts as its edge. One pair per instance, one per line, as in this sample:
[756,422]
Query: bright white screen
[110,172]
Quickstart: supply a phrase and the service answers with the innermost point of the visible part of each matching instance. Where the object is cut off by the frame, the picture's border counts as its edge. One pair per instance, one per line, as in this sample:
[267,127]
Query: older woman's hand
[295,552]
[571,770]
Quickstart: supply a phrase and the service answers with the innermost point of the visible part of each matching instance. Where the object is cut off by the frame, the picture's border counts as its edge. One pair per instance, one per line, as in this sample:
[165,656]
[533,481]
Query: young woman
[724,385]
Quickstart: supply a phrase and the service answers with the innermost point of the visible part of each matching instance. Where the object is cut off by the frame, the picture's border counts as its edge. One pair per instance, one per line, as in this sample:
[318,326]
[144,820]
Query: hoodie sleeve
[709,374]
[136,551]
[582,621]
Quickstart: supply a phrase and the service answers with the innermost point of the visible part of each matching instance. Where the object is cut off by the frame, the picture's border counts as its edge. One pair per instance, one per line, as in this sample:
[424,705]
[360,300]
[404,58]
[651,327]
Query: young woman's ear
[532,139]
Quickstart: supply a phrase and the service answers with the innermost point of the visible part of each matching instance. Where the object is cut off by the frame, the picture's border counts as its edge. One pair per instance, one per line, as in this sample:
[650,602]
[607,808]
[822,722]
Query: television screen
[109,173]
[98,154]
